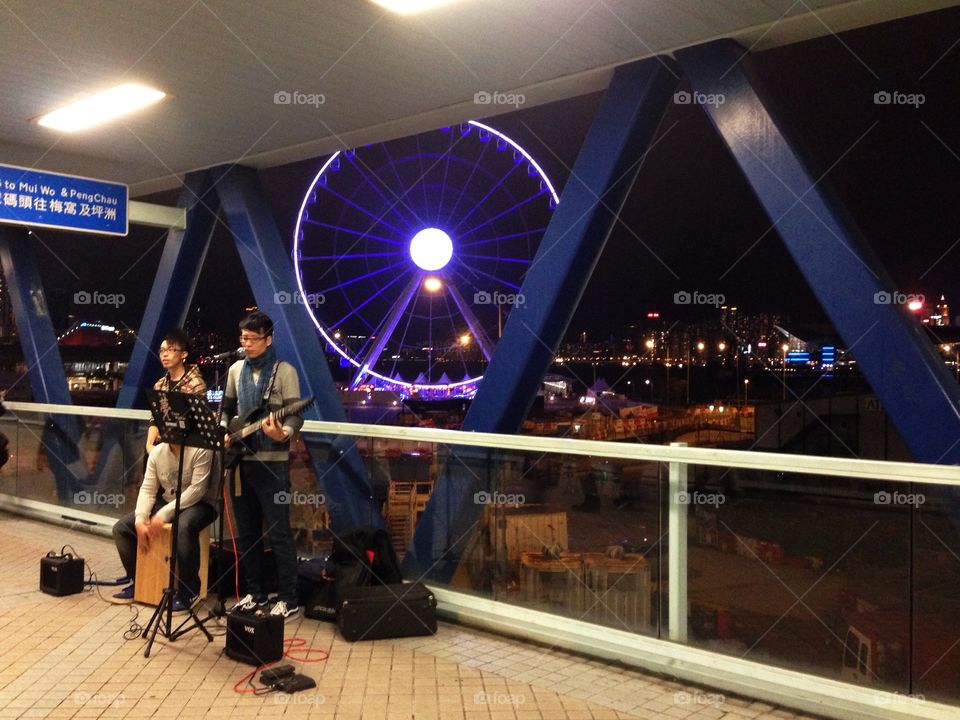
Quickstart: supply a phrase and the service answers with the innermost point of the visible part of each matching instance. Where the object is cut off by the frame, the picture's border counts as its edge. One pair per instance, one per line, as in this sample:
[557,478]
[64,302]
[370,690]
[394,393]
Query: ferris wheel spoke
[378,220]
[351,281]
[482,200]
[502,237]
[478,271]
[466,184]
[370,299]
[423,177]
[391,203]
[514,208]
[392,164]
[385,331]
[354,256]
[354,232]
[443,186]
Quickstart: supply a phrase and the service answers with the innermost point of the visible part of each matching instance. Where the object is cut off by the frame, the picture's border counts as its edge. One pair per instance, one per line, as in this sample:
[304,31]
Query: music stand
[184,419]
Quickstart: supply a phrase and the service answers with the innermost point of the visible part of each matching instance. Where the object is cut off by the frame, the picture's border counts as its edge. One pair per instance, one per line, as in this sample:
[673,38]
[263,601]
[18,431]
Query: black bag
[387,611]
[360,558]
[363,556]
[316,592]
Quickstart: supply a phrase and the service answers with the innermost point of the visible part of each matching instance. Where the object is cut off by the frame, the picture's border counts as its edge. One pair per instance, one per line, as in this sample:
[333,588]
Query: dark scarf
[250,394]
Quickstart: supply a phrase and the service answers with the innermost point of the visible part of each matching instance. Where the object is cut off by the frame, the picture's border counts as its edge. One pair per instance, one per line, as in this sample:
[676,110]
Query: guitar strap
[268,388]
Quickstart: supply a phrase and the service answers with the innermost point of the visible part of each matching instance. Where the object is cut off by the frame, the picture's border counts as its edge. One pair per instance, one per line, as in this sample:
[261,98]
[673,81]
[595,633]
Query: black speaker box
[254,639]
[61,574]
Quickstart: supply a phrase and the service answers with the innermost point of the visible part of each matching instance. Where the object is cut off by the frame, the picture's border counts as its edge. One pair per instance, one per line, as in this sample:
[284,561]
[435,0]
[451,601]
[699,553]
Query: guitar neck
[279,415]
[253,427]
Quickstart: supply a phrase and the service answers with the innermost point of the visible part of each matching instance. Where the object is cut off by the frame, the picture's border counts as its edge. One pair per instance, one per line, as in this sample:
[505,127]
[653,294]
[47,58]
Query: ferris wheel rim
[299,274]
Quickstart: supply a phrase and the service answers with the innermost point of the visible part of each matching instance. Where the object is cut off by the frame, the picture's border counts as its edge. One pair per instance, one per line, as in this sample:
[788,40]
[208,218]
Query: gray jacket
[286,389]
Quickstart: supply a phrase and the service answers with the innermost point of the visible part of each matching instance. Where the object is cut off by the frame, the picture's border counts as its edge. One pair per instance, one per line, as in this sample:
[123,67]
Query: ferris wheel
[410,254]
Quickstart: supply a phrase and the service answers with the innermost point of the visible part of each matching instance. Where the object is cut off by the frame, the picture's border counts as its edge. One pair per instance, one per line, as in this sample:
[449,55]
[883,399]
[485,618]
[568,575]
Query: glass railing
[841,569]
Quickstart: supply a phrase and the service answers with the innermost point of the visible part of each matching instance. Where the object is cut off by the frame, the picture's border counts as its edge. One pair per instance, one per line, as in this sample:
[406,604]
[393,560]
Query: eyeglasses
[250,339]
[165,350]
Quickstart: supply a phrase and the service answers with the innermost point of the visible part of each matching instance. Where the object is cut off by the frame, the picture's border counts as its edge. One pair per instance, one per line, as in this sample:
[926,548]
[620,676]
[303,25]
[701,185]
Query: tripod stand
[184,420]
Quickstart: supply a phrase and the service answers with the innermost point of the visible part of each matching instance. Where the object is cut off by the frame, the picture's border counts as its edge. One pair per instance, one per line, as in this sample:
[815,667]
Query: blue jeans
[262,513]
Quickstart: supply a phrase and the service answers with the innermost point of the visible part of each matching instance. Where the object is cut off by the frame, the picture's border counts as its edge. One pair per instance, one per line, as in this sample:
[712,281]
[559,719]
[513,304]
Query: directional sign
[65,202]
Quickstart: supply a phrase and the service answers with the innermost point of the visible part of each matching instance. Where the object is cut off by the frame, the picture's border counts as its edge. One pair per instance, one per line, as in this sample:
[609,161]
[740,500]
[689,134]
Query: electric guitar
[242,428]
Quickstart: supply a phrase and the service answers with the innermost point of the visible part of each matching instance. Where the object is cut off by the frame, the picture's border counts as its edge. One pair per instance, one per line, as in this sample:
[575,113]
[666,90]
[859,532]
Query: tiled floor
[67,657]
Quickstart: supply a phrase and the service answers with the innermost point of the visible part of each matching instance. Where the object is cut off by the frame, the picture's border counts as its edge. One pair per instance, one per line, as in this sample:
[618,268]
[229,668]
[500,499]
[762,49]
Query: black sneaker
[182,604]
[124,596]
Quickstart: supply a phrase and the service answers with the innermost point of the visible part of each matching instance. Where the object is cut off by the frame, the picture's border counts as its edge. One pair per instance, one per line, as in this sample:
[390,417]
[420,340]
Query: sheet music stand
[184,419]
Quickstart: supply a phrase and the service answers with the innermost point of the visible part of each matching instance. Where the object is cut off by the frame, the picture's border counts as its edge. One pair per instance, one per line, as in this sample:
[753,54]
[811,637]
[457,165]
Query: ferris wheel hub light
[431,249]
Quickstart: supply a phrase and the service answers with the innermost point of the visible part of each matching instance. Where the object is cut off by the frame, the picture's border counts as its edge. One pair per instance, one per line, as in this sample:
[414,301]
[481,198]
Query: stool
[153,567]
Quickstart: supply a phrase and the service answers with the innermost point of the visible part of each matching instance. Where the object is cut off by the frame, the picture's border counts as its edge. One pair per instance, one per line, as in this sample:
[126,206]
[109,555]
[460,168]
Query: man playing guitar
[261,506]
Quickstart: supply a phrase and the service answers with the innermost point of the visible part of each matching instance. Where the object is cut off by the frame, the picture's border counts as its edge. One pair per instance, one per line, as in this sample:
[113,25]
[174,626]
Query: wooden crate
[518,530]
[617,591]
[552,585]
[153,567]
[400,512]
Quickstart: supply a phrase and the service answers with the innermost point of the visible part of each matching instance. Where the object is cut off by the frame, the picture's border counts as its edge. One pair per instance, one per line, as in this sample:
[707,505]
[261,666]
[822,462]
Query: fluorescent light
[102,107]
[405,7]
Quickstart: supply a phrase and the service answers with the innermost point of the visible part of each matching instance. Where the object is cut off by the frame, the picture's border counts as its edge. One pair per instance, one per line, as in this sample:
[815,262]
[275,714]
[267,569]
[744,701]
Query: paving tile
[69,660]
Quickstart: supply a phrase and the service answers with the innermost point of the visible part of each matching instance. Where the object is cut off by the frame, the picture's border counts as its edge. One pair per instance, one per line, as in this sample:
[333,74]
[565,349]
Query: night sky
[690,213]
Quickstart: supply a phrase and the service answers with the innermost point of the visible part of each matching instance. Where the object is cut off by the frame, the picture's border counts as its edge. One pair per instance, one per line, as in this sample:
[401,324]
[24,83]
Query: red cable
[291,643]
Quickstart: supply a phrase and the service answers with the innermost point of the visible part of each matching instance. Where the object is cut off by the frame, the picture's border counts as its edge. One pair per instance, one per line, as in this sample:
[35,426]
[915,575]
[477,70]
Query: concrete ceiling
[380,75]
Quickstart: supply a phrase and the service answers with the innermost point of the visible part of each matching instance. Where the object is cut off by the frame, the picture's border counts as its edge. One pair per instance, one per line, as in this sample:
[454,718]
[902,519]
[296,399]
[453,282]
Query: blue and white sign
[64,202]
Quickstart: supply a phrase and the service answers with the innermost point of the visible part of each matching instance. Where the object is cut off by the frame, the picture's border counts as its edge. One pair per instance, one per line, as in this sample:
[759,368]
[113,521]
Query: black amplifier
[255,639]
[61,574]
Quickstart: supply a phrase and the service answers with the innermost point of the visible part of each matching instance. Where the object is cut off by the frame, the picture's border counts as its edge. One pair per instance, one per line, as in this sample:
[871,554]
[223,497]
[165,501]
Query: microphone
[238,353]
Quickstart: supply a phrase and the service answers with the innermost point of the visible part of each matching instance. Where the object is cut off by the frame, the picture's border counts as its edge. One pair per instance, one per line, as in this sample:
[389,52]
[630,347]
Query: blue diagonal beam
[900,363]
[173,286]
[603,173]
[269,269]
[38,341]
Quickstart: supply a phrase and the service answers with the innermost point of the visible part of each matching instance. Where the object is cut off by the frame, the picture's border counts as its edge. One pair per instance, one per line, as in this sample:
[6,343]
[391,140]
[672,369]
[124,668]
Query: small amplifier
[255,639]
[61,574]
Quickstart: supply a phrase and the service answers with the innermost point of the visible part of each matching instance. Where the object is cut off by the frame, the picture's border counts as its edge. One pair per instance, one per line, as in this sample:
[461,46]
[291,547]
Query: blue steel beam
[267,263]
[48,381]
[601,177]
[173,286]
[897,359]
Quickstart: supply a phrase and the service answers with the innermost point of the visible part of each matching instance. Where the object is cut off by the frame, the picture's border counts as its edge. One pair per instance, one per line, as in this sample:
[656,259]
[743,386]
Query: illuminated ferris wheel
[410,254]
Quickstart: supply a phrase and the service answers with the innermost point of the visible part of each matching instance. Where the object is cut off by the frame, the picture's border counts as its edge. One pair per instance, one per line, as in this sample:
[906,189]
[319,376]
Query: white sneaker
[281,609]
[248,604]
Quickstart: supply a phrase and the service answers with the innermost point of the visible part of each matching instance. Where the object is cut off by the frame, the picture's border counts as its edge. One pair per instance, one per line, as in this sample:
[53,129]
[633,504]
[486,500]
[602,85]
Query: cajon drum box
[153,568]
